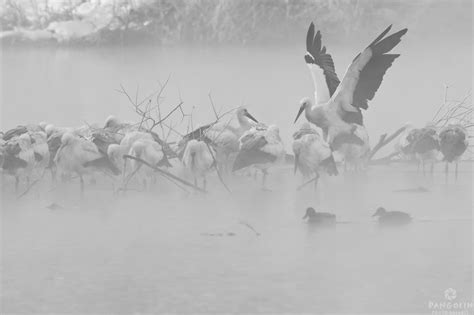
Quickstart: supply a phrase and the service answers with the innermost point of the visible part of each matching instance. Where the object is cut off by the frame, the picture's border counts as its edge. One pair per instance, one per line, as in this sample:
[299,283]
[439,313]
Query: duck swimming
[391,217]
[319,218]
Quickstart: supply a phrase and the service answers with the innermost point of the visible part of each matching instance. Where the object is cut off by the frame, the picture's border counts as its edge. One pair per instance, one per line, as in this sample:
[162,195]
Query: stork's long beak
[374,215]
[296,163]
[305,216]
[299,113]
[250,117]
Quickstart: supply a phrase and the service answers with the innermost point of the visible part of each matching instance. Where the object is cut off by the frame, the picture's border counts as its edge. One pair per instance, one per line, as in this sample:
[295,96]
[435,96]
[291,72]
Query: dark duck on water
[391,218]
[319,218]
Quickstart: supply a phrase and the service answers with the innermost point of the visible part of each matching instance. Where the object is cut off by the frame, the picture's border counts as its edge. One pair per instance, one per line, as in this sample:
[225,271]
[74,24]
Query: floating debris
[55,206]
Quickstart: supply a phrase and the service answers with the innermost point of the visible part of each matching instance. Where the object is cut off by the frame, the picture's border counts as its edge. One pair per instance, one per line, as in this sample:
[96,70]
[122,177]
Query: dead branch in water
[165,173]
[385,160]
[308,182]
[250,227]
[384,140]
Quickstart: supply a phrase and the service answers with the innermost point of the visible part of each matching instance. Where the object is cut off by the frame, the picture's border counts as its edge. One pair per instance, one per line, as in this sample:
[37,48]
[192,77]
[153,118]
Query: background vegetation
[202,21]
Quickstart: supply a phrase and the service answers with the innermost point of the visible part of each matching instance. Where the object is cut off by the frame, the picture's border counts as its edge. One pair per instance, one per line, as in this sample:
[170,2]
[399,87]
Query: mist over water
[166,250]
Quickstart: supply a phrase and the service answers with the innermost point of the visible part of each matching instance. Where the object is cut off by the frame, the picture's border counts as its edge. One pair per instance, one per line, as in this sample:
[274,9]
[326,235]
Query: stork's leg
[53,174]
[82,184]
[204,183]
[456,171]
[316,182]
[432,168]
[17,183]
[195,181]
[423,166]
[264,178]
[446,167]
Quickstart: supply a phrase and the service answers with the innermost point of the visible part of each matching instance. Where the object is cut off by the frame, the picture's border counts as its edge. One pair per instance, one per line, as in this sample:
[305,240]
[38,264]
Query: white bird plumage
[225,136]
[312,153]
[338,103]
[260,147]
[198,159]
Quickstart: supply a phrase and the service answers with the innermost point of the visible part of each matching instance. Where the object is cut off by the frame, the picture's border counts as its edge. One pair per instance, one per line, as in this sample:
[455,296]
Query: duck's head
[379,212]
[243,112]
[304,103]
[310,212]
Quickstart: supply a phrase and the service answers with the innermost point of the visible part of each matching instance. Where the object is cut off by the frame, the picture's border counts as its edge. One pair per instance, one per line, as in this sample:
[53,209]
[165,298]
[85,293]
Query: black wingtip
[381,35]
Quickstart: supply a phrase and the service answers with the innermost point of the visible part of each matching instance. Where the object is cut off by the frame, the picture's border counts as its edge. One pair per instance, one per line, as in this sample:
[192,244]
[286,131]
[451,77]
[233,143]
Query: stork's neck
[317,115]
[244,121]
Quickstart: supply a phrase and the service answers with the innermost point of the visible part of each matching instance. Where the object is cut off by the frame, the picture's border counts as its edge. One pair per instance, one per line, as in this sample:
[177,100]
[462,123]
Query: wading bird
[261,147]
[424,144]
[198,158]
[312,154]
[453,143]
[354,154]
[80,156]
[18,158]
[41,151]
[225,137]
[149,151]
[338,104]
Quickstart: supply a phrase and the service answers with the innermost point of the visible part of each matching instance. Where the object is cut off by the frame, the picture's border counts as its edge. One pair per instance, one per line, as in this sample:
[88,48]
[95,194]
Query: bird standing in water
[338,104]
[453,143]
[261,147]
[312,154]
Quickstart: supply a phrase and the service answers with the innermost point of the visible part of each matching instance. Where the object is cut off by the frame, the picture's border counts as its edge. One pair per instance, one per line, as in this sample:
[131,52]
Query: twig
[165,173]
[307,182]
[384,140]
[250,227]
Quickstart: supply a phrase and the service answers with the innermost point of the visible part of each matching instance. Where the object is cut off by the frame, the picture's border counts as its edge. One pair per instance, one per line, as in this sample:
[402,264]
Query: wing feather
[321,66]
[364,76]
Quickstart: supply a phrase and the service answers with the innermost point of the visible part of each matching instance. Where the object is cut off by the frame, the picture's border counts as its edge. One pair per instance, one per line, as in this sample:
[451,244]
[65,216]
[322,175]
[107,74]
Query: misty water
[149,252]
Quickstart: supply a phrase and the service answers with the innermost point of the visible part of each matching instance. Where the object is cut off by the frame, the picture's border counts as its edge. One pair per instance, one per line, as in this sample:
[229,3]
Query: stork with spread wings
[338,104]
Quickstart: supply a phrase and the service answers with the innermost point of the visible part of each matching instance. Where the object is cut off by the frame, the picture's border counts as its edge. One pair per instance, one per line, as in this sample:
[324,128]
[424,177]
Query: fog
[169,251]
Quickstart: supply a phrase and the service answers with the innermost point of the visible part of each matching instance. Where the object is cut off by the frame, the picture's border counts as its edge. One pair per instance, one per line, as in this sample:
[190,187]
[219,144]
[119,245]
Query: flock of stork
[126,150]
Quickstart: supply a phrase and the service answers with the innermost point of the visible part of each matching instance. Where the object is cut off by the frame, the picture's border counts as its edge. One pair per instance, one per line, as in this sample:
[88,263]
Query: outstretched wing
[364,76]
[321,66]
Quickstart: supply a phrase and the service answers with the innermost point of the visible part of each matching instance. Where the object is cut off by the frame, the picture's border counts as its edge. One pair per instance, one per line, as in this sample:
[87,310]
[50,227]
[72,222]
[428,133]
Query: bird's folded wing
[365,74]
[321,66]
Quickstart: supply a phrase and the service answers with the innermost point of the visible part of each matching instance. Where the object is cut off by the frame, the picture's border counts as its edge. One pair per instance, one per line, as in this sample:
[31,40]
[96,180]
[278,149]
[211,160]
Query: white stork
[262,147]
[338,104]
[453,143]
[225,137]
[354,154]
[198,158]
[312,153]
[80,156]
